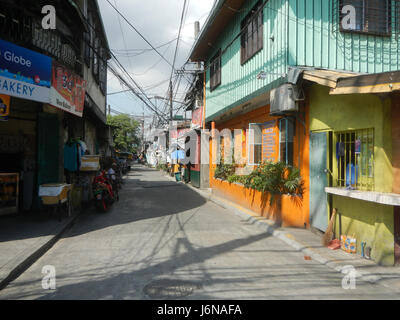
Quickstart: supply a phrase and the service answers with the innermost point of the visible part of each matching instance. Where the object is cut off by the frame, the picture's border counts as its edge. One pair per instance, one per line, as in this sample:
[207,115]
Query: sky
[158,21]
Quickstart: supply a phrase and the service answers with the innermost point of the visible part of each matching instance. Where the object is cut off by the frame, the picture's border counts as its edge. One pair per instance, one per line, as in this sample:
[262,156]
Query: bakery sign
[24,73]
[67,90]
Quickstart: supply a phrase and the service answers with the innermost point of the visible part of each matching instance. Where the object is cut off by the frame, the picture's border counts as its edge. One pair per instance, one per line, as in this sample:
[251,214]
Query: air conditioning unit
[284,99]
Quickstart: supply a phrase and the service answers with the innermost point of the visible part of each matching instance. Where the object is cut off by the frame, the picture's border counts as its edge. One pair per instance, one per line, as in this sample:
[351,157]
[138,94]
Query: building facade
[273,72]
[69,70]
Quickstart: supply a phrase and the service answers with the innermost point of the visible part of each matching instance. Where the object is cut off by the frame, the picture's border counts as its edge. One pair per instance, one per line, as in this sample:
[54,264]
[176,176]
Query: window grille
[355,159]
[370,17]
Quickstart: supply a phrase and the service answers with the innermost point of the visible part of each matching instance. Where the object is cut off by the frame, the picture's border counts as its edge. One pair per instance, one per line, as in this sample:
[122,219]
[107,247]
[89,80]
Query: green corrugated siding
[306,33]
[316,41]
[239,82]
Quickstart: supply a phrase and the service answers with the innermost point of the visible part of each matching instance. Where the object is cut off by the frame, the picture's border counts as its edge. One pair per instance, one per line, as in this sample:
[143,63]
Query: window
[287,130]
[255,144]
[252,33]
[96,59]
[86,37]
[226,146]
[215,71]
[366,16]
[355,159]
[103,70]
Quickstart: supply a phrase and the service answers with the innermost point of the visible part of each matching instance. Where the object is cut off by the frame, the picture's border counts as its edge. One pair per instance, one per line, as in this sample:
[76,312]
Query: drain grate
[170,289]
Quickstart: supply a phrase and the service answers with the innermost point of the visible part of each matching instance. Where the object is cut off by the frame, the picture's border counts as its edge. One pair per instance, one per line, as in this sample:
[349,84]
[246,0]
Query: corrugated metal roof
[220,16]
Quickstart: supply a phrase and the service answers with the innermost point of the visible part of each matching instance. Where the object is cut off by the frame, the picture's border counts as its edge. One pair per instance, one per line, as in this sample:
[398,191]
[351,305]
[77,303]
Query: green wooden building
[248,48]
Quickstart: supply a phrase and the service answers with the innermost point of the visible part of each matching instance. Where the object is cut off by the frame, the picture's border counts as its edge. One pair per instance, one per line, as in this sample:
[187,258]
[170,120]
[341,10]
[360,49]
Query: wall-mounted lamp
[262,75]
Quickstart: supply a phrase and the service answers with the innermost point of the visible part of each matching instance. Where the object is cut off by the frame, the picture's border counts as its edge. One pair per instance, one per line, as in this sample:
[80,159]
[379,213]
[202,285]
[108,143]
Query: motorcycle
[114,178]
[103,192]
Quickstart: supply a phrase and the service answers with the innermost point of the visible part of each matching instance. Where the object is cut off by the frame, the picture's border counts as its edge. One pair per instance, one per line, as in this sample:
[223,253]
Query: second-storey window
[252,33]
[215,71]
[366,16]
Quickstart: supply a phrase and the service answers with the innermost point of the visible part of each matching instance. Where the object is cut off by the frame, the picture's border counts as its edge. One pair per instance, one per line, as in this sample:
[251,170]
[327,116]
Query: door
[397,235]
[318,181]
[48,151]
[48,148]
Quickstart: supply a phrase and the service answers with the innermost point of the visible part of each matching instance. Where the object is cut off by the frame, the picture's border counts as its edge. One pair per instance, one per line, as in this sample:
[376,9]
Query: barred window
[215,71]
[366,16]
[355,159]
[252,33]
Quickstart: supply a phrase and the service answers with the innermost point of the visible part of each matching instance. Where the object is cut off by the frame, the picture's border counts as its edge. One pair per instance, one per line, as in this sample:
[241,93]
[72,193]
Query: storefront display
[9,190]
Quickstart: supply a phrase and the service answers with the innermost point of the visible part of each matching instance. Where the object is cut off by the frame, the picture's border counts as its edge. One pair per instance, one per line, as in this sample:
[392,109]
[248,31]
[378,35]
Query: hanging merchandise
[358,146]
[83,146]
[71,156]
[339,150]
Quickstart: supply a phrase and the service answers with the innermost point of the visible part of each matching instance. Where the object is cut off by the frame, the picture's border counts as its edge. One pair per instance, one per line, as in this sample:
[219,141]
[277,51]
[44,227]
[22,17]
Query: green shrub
[223,171]
[275,178]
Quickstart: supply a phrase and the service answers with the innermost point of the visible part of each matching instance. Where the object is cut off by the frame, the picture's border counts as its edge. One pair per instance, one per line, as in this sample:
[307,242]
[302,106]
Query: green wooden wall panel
[239,82]
[305,33]
[316,41]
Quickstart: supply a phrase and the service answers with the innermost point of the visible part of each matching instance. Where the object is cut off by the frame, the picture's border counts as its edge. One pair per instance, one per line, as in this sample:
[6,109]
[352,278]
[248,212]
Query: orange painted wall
[396,141]
[292,211]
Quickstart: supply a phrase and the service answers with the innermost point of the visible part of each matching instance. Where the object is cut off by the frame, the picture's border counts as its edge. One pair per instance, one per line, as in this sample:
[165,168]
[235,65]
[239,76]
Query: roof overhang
[385,82]
[352,83]
[220,16]
[328,78]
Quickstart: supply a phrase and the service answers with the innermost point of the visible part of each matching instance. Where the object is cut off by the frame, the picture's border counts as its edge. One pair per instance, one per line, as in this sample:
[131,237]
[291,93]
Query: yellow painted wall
[369,222]
[352,112]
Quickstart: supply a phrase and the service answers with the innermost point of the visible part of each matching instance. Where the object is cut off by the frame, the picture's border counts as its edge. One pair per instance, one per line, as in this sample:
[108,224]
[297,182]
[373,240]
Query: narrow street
[163,241]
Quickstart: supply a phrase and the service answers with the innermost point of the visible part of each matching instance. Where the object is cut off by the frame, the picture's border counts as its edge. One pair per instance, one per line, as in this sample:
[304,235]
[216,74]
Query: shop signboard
[178,137]
[67,90]
[197,117]
[24,73]
[4,107]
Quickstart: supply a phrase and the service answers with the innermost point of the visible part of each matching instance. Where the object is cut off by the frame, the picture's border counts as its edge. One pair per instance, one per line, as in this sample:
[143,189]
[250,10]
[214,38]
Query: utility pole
[170,101]
[143,129]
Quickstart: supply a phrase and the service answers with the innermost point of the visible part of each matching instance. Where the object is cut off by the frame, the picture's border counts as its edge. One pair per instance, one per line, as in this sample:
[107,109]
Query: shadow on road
[142,197]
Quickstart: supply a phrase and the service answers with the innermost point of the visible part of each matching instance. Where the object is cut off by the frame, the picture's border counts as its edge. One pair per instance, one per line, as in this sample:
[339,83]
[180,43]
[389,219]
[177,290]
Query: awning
[352,83]
[325,77]
[385,82]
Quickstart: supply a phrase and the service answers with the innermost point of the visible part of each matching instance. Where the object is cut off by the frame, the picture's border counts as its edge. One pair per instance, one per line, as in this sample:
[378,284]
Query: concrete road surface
[163,241]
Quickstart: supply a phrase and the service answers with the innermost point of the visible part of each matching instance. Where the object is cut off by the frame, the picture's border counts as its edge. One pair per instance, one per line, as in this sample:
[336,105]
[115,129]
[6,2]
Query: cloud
[158,21]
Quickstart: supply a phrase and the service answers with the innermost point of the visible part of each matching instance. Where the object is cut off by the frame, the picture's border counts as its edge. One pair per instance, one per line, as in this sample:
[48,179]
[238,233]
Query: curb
[29,261]
[270,228]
